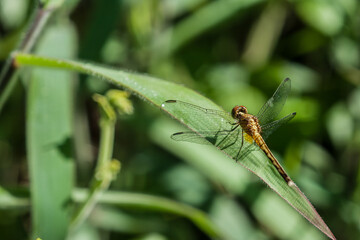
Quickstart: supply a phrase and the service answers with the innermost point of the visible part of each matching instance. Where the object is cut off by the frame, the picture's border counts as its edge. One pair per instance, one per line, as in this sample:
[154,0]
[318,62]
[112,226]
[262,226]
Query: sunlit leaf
[156,91]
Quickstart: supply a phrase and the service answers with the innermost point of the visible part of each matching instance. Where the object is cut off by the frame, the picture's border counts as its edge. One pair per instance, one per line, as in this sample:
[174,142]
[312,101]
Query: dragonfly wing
[221,139]
[273,106]
[269,128]
[200,119]
[202,137]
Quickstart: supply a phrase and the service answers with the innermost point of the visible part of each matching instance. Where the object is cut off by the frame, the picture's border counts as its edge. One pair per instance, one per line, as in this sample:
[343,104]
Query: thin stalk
[106,143]
[9,74]
[103,173]
[153,203]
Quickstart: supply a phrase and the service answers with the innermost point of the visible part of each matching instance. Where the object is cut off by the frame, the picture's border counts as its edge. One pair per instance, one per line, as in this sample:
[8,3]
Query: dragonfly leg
[242,142]
[225,138]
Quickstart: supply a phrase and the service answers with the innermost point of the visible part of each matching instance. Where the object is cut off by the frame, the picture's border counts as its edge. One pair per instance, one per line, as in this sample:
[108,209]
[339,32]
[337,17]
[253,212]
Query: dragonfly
[225,130]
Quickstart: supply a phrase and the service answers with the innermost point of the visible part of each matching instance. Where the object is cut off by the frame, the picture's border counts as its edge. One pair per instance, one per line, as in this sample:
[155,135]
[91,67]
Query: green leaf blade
[157,91]
[49,134]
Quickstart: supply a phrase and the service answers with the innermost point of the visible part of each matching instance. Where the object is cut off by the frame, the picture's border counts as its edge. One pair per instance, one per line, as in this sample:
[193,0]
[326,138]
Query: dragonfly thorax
[249,123]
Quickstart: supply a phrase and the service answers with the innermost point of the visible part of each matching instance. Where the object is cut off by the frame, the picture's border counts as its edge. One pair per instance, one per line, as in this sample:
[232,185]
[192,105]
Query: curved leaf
[157,91]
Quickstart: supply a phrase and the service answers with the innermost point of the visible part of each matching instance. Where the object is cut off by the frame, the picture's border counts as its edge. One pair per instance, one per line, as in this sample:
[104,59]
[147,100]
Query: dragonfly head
[237,111]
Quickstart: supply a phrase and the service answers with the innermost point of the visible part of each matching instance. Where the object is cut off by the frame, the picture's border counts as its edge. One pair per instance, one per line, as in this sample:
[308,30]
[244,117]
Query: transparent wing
[232,142]
[199,118]
[202,137]
[273,106]
[269,128]
[188,107]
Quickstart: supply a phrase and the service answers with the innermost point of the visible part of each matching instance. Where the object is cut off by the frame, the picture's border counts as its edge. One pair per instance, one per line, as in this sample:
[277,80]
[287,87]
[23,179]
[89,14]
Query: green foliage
[232,52]
[49,137]
[156,91]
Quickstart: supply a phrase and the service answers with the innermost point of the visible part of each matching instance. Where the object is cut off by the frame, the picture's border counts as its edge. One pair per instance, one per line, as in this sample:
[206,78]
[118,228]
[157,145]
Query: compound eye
[243,109]
[235,111]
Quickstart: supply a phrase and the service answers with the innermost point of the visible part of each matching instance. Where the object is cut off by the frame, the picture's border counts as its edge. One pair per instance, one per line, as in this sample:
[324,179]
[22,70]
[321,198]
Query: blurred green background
[235,53]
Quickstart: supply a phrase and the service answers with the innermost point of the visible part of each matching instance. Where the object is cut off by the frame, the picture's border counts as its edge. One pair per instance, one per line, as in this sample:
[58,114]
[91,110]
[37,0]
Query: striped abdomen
[261,143]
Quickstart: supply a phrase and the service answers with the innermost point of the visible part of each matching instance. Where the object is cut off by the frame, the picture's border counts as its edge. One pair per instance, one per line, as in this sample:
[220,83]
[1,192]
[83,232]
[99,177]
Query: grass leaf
[156,91]
[49,134]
